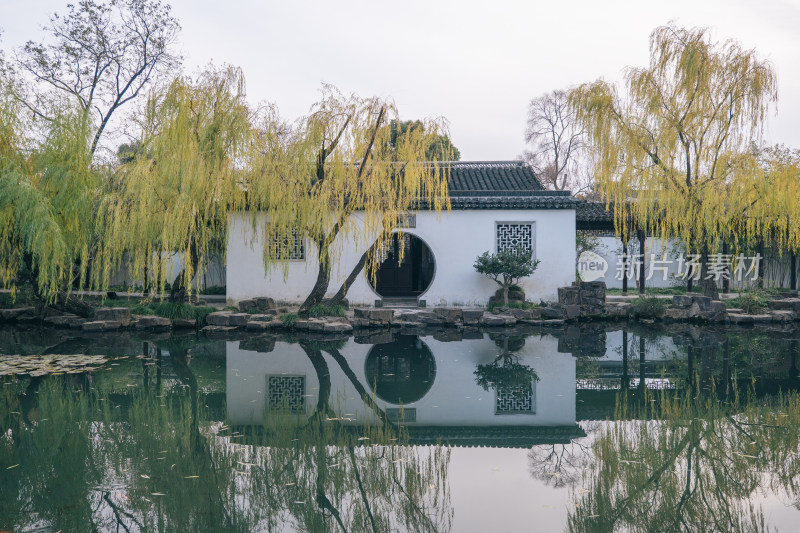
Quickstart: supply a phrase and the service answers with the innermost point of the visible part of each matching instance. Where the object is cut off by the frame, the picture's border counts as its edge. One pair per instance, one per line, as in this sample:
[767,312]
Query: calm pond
[592,428]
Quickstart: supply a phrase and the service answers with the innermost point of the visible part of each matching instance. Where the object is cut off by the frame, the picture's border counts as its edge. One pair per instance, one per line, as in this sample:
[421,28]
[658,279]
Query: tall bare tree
[556,143]
[99,56]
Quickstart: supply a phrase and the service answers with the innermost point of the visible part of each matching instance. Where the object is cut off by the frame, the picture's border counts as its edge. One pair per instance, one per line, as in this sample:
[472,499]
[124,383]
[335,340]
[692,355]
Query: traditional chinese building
[496,205]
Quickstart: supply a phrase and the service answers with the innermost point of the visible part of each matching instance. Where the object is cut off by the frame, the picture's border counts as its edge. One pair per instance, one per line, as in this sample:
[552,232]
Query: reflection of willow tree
[693,464]
[152,459]
[505,372]
[559,464]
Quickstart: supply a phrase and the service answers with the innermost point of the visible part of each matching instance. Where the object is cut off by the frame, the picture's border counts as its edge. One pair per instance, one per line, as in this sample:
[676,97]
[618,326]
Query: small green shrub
[173,310]
[216,289]
[752,302]
[231,308]
[24,298]
[649,307]
[327,310]
[289,319]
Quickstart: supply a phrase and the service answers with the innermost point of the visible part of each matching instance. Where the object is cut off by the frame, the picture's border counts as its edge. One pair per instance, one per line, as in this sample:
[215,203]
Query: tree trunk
[642,243]
[181,285]
[760,253]
[338,298]
[726,279]
[69,303]
[65,302]
[320,286]
[625,380]
[505,295]
[625,266]
[707,286]
[793,271]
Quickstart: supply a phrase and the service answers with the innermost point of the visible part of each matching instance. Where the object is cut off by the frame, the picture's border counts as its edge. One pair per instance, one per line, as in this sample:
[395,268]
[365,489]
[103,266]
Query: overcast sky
[476,63]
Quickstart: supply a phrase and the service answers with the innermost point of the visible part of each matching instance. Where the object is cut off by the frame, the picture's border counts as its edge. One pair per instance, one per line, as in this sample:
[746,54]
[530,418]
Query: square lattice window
[289,247]
[518,399]
[515,235]
[286,393]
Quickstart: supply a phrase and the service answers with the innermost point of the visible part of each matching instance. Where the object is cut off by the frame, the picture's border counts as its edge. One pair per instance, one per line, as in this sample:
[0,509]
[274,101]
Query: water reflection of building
[469,392]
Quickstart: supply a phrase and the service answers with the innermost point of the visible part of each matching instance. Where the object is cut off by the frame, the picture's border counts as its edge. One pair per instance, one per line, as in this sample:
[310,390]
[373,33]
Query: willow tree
[343,159]
[675,141]
[48,193]
[175,195]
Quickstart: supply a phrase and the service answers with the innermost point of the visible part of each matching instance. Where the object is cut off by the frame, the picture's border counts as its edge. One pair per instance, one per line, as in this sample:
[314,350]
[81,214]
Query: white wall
[455,238]
[454,399]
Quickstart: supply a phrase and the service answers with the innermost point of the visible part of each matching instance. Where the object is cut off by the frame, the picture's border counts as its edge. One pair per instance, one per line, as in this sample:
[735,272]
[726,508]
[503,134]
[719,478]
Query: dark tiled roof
[490,176]
[499,185]
[594,216]
[594,212]
[545,200]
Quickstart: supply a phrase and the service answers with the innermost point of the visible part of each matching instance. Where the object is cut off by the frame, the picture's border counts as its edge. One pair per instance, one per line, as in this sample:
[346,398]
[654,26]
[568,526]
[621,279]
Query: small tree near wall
[506,267]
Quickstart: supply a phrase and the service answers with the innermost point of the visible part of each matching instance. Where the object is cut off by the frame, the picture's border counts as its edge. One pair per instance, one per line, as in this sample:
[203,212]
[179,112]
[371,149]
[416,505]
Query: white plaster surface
[455,238]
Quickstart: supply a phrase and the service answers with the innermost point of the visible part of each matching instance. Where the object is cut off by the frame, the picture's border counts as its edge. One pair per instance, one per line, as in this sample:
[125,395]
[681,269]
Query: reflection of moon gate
[400,372]
[412,275]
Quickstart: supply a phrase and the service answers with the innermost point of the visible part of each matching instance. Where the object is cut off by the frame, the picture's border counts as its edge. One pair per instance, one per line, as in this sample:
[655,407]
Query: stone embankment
[580,302]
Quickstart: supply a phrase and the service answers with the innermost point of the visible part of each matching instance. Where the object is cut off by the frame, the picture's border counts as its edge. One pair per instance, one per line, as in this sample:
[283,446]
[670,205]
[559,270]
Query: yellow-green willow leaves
[176,194]
[205,154]
[672,151]
[48,192]
[337,162]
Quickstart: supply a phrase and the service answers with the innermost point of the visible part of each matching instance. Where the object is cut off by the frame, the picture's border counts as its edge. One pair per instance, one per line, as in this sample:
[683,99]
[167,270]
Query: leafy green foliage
[649,307]
[216,289]
[173,310]
[751,302]
[438,147]
[506,267]
[327,310]
[491,306]
[289,319]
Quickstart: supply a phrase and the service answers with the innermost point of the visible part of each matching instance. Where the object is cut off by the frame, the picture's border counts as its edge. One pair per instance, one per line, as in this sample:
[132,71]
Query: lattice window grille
[286,393]
[515,235]
[289,247]
[518,399]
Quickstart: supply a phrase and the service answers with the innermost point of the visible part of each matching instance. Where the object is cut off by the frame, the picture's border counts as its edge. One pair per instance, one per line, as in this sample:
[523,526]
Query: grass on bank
[491,306]
[172,310]
[751,302]
[649,307]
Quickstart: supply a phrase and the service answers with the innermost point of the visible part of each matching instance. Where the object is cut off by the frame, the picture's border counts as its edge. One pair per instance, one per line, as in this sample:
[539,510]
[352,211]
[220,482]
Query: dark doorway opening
[406,269]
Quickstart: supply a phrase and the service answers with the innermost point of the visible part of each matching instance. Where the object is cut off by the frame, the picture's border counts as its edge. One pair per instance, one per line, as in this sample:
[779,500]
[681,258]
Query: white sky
[476,63]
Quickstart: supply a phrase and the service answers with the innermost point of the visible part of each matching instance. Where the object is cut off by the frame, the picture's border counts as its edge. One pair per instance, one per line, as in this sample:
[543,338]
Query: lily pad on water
[41,365]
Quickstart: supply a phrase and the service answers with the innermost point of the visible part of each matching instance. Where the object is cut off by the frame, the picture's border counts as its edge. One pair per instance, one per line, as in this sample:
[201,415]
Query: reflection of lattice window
[286,393]
[394,414]
[289,246]
[515,235]
[518,399]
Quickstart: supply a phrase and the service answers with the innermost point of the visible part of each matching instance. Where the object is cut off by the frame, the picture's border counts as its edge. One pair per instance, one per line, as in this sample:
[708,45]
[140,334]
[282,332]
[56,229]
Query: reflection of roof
[493,436]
